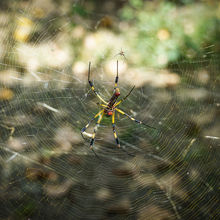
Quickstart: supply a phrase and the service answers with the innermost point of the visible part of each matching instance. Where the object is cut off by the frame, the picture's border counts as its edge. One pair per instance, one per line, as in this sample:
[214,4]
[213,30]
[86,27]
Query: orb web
[47,168]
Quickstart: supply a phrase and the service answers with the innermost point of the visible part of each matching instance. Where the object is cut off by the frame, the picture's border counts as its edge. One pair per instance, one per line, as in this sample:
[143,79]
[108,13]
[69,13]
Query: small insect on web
[108,109]
[121,53]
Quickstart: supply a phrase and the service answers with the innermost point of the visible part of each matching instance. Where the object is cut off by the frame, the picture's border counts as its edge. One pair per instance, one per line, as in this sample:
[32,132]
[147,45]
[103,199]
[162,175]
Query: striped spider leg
[83,131]
[108,109]
[133,119]
[92,86]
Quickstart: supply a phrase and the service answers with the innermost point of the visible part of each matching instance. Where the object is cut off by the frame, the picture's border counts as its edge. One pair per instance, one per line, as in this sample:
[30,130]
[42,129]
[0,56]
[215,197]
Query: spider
[108,109]
[121,53]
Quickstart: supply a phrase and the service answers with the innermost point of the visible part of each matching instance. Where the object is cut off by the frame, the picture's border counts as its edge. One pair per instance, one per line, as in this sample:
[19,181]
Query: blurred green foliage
[79,10]
[163,32]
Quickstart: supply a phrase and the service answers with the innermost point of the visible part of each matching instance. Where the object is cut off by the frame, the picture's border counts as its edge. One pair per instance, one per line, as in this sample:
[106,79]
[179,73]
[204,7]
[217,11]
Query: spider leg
[122,100]
[116,78]
[84,128]
[114,131]
[105,106]
[92,86]
[133,119]
[95,130]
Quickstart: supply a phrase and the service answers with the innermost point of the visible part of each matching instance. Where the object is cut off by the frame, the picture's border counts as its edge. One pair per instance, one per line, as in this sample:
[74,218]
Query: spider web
[47,168]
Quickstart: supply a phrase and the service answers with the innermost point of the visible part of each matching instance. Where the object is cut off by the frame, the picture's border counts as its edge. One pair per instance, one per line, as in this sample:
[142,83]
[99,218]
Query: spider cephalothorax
[108,112]
[108,109]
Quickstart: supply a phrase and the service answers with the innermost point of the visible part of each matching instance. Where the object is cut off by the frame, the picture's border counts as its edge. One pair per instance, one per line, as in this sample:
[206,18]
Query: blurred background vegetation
[151,33]
[168,49]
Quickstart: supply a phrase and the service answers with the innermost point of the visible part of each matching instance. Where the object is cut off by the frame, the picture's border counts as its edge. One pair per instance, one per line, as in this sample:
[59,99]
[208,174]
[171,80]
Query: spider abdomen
[114,98]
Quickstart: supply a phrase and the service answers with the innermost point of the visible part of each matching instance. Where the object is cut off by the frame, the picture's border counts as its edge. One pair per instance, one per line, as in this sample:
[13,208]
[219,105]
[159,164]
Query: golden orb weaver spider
[109,109]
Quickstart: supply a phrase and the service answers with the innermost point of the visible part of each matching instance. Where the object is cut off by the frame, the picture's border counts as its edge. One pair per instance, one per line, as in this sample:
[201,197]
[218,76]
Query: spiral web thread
[48,170]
